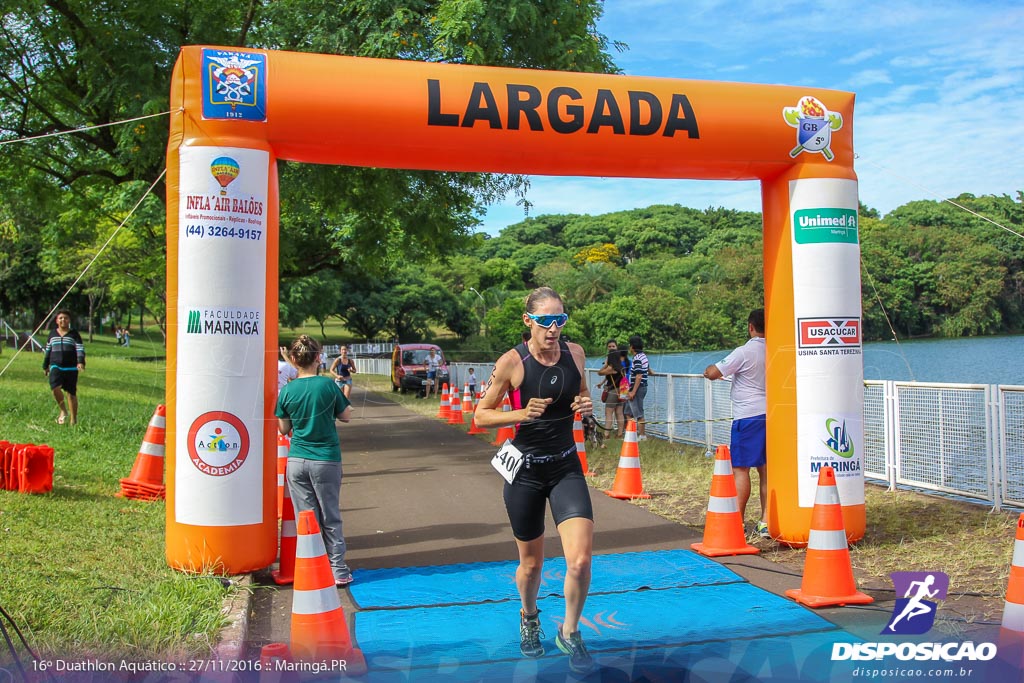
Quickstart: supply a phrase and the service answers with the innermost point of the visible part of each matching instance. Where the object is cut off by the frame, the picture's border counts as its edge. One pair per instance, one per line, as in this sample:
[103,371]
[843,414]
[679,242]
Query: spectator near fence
[639,368]
[746,366]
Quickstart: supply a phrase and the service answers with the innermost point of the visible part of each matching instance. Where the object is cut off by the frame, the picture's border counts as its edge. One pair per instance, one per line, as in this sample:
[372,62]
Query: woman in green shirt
[307,408]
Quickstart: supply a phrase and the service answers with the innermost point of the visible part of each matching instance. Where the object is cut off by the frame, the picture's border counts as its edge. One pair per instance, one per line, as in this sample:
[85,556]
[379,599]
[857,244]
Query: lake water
[970,360]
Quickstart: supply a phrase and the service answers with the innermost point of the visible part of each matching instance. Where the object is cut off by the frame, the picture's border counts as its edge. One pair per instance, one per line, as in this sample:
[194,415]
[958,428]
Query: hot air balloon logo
[225,170]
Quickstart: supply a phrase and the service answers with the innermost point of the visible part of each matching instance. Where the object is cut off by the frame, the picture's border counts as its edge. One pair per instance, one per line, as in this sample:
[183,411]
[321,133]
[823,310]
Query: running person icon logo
[914,613]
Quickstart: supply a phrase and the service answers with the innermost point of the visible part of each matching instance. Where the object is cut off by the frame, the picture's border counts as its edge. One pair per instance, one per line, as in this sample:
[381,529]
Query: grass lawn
[83,571]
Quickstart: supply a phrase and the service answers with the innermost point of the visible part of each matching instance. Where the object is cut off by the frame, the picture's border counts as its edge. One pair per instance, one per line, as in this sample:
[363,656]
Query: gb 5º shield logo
[914,613]
[814,124]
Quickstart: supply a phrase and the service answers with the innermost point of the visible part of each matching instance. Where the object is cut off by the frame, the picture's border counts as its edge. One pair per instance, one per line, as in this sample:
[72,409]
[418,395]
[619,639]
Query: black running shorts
[65,379]
[561,482]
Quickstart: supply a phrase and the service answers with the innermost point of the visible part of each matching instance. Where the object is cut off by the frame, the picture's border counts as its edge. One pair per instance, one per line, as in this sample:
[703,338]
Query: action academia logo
[218,443]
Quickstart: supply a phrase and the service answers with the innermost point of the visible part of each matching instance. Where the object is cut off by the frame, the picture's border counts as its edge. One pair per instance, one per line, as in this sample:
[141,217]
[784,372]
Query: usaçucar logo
[838,441]
[827,332]
[814,125]
[234,85]
[914,613]
[218,443]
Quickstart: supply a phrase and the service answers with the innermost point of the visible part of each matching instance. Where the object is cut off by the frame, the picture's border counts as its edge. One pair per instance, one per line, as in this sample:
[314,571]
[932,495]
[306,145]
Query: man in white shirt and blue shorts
[748,440]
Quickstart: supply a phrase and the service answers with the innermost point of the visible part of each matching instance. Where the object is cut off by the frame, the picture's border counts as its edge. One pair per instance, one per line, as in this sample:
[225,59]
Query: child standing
[471,381]
[307,407]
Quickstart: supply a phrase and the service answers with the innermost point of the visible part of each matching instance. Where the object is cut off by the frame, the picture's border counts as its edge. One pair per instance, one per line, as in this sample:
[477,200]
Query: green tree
[505,323]
[66,64]
[616,318]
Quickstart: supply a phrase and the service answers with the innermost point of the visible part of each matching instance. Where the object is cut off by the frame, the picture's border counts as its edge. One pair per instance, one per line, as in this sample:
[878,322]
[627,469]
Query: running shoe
[530,634]
[580,661]
[762,530]
[342,575]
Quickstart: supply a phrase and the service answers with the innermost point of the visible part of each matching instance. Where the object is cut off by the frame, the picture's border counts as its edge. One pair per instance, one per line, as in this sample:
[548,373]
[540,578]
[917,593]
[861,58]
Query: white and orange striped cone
[455,411]
[282,468]
[828,573]
[319,631]
[1011,632]
[276,664]
[146,481]
[507,432]
[467,400]
[445,411]
[285,572]
[628,482]
[723,525]
[581,444]
[473,428]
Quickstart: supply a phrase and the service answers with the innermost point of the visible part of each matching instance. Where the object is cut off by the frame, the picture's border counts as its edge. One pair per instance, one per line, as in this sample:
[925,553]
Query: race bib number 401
[507,461]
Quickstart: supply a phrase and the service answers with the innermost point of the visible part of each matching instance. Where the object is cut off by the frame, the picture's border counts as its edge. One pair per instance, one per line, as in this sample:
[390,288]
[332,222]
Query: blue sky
[939,86]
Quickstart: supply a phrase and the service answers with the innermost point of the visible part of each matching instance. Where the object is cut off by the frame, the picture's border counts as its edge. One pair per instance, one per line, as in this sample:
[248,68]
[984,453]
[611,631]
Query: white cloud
[869,77]
[861,56]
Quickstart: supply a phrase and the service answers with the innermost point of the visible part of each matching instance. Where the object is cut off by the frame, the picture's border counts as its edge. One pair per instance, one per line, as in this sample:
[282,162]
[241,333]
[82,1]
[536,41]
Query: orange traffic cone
[276,664]
[35,474]
[455,411]
[1011,633]
[581,444]
[723,526]
[6,447]
[828,574]
[467,400]
[507,432]
[628,483]
[473,429]
[282,468]
[319,632]
[445,411]
[146,481]
[285,572]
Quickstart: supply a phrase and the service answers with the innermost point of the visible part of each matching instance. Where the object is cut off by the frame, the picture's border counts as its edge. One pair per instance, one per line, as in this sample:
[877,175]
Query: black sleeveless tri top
[551,433]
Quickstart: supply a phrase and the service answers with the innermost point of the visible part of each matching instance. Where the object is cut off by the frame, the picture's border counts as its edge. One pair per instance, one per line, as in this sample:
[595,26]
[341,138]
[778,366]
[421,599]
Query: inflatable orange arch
[236,112]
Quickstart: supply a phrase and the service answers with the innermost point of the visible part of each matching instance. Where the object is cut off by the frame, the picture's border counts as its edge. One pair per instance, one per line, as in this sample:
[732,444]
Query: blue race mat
[495,581]
[802,658]
[459,635]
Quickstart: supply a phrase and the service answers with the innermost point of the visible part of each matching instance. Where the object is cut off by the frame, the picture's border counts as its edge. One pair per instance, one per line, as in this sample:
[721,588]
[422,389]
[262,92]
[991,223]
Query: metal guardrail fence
[14,339]
[966,440]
